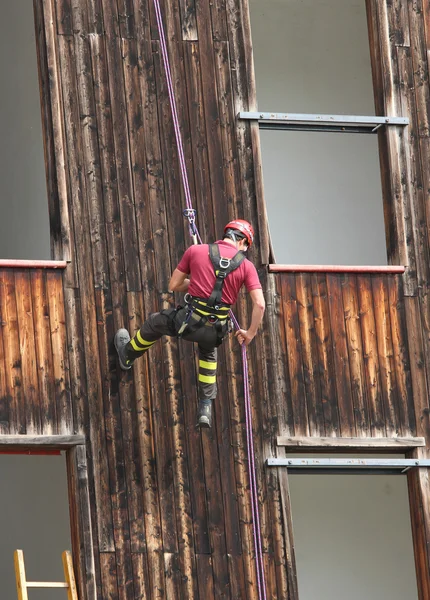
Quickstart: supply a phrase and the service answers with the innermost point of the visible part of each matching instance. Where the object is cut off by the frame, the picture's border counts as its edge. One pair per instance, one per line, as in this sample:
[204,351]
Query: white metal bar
[315,119]
[348,463]
[47,584]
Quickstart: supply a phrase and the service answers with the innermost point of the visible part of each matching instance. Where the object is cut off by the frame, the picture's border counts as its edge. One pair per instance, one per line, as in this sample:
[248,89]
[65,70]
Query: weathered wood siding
[346,359]
[34,376]
[338,355]
[171,511]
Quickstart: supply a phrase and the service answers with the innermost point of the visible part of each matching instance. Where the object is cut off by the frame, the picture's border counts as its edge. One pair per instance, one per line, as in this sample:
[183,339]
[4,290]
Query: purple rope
[172,99]
[252,470]
[248,413]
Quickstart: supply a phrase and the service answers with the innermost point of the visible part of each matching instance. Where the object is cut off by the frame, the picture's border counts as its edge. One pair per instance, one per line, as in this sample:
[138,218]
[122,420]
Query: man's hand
[244,336]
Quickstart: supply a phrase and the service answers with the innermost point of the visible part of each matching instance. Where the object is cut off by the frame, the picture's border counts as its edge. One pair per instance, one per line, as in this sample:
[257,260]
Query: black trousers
[168,323]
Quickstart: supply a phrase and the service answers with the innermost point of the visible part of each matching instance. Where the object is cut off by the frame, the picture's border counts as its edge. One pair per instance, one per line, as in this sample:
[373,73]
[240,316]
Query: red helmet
[242,226]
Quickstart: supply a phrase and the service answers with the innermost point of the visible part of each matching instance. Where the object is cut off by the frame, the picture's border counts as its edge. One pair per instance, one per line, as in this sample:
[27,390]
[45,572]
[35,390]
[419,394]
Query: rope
[190,214]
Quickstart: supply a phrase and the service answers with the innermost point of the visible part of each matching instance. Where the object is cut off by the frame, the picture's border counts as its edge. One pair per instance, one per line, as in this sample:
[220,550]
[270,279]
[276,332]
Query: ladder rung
[47,584]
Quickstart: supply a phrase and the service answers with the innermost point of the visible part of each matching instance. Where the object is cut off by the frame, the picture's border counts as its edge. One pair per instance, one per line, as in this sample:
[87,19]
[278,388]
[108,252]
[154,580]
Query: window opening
[24,222]
[352,533]
[323,193]
[34,517]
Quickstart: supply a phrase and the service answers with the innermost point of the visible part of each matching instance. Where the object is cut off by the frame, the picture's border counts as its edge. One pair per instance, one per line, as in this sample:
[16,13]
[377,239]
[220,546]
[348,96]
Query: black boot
[204,413]
[122,337]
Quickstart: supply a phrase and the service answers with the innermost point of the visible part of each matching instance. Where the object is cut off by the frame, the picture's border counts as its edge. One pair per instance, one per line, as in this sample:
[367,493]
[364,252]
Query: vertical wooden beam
[81,526]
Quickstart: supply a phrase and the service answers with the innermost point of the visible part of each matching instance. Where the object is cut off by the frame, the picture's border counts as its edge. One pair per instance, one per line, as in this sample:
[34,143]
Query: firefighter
[211,276]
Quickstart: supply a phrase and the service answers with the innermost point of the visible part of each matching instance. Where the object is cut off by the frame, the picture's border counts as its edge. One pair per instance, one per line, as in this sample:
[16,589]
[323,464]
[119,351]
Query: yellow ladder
[22,584]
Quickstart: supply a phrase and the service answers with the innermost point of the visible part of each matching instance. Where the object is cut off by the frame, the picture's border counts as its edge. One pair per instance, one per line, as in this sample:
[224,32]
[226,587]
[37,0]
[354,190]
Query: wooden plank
[219,21]
[399,22]
[371,357]
[176,224]
[57,320]
[83,339]
[426,16]
[226,459]
[44,358]
[418,365]
[145,431]
[420,71]
[181,476]
[274,338]
[263,228]
[90,148]
[294,354]
[126,19]
[385,352]
[141,576]
[401,357]
[403,251]
[187,10]
[325,354]
[64,17]
[419,493]
[356,357]
[278,532]
[109,575]
[211,112]
[12,353]
[5,391]
[309,354]
[228,125]
[205,576]
[215,507]
[80,518]
[205,216]
[47,132]
[415,166]
[194,451]
[394,444]
[42,440]
[240,103]
[117,462]
[75,169]
[122,151]
[95,16]
[30,383]
[341,357]
[57,107]
[293,592]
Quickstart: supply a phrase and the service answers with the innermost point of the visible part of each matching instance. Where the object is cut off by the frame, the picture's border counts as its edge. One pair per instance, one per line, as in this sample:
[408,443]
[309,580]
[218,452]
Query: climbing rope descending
[190,214]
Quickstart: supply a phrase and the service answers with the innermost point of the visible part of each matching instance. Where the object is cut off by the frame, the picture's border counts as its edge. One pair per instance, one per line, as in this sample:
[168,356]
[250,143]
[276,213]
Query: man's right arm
[245,336]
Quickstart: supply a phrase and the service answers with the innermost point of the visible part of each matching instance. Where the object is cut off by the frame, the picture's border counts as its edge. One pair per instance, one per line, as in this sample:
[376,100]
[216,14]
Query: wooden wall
[338,355]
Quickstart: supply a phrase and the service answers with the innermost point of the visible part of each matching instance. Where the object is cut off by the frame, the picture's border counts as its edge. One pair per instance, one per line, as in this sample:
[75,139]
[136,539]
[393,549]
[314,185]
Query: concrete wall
[24,225]
[352,537]
[34,517]
[323,190]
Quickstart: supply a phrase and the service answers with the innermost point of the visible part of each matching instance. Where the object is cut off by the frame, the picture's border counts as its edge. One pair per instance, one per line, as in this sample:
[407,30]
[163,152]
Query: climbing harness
[190,214]
[223,267]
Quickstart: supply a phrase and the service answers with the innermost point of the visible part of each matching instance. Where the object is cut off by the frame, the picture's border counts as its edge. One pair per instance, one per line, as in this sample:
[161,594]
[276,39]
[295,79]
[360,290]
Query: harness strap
[222,267]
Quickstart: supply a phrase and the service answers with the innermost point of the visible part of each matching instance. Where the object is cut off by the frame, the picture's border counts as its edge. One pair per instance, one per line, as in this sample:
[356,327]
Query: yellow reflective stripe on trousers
[207,365]
[140,348]
[143,342]
[207,378]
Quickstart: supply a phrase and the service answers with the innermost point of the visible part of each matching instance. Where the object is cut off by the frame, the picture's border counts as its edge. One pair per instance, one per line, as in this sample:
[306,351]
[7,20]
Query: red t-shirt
[197,264]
